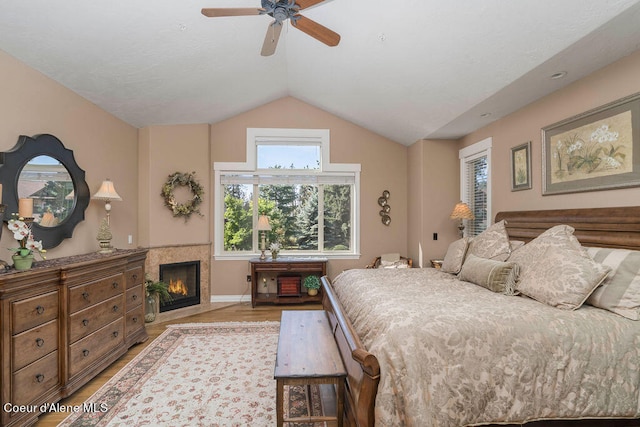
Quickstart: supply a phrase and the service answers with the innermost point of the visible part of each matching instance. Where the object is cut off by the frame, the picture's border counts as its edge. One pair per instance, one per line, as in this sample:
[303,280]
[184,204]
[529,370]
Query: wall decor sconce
[106,192]
[383,201]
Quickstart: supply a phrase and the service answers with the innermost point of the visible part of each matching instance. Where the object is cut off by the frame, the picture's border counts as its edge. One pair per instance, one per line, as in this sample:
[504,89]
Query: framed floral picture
[521,167]
[595,150]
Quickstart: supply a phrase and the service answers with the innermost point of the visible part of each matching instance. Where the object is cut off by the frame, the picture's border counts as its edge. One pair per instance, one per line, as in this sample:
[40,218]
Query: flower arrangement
[274,248]
[22,233]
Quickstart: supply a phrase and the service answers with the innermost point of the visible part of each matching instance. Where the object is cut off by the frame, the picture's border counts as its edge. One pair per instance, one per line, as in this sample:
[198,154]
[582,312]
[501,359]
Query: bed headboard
[609,227]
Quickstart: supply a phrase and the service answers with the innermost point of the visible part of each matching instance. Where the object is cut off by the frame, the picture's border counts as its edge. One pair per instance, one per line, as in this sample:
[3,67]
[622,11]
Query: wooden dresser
[63,322]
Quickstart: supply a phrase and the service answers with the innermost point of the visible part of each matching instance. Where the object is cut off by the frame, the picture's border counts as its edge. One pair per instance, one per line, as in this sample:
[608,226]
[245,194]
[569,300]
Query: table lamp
[461,211]
[264,226]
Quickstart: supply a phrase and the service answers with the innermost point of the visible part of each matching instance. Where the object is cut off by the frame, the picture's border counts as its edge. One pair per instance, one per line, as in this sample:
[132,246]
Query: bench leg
[279,402]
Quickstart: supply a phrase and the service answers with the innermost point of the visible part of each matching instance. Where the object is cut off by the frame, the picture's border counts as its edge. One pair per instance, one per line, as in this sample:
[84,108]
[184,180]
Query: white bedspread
[453,354]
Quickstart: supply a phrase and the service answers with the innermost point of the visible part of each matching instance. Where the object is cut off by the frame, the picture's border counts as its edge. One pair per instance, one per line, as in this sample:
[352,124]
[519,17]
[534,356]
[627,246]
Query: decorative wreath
[190,206]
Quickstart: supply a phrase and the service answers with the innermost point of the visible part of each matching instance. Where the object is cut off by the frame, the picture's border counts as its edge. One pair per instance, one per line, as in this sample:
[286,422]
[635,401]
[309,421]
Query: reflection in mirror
[45,180]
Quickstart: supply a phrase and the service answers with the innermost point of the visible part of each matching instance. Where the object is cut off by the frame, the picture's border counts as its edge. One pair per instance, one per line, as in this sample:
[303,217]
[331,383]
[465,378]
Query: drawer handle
[85,322]
[85,353]
[115,334]
[39,309]
[135,276]
[39,378]
[135,320]
[39,342]
[115,309]
[115,285]
[134,297]
[85,295]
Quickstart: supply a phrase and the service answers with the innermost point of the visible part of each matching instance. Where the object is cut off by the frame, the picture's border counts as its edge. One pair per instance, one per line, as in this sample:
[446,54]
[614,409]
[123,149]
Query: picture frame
[596,150]
[521,167]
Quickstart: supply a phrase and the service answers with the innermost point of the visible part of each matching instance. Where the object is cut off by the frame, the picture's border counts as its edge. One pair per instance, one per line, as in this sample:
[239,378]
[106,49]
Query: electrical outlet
[435,236]
[248,278]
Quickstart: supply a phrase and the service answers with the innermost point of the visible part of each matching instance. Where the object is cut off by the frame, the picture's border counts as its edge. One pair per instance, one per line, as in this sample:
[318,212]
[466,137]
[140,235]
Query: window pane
[307,218]
[280,203]
[288,156]
[238,217]
[477,198]
[337,217]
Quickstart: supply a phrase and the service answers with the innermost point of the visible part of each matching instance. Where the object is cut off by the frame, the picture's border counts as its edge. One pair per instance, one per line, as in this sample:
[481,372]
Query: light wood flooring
[241,312]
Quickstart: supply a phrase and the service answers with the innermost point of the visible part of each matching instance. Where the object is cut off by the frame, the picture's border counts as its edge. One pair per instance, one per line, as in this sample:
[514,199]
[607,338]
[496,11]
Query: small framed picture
[521,167]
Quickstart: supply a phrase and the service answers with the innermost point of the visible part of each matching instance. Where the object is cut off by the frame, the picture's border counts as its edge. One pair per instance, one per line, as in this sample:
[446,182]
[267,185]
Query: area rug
[202,374]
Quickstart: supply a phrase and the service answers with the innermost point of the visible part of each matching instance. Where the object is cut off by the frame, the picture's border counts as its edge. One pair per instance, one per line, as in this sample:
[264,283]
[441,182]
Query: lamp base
[262,255]
[104,238]
[461,229]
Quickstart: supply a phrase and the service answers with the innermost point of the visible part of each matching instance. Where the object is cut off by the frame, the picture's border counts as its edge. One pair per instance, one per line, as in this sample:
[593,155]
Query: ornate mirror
[42,169]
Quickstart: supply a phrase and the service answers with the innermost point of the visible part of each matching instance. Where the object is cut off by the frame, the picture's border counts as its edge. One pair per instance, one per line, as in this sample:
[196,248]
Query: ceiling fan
[281,10]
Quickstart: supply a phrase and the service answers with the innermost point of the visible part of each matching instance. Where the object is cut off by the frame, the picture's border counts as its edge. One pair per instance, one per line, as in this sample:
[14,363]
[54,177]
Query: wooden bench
[308,354]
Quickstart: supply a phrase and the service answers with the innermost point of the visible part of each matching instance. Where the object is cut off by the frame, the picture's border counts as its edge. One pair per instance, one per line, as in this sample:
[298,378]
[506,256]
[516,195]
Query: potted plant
[23,256]
[312,283]
[156,291]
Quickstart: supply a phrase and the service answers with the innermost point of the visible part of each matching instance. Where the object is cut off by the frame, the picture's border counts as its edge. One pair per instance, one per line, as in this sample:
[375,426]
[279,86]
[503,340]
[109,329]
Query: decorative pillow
[497,276]
[620,291]
[562,278]
[515,244]
[454,258]
[492,243]
[560,236]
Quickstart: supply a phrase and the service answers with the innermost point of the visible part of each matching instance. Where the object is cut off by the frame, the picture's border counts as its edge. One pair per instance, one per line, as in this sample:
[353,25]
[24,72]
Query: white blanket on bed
[453,354]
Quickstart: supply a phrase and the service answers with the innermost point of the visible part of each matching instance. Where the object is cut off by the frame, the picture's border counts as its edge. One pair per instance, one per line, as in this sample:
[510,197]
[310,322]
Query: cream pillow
[620,291]
[560,236]
[562,278]
[497,276]
[492,243]
[454,258]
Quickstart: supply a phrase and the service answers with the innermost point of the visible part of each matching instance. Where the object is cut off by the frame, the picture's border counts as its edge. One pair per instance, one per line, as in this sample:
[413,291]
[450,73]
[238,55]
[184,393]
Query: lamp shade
[107,192]
[462,211]
[263,223]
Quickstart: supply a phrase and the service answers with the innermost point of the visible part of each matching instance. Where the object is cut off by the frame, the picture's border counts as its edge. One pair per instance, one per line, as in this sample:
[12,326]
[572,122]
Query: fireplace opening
[183,279]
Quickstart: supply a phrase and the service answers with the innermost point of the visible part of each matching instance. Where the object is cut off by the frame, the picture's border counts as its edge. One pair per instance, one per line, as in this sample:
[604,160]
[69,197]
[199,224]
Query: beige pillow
[492,243]
[620,291]
[560,236]
[454,258]
[562,278]
[497,276]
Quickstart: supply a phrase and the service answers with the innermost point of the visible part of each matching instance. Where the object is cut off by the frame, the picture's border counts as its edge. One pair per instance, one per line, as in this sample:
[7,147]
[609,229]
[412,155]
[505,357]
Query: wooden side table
[308,354]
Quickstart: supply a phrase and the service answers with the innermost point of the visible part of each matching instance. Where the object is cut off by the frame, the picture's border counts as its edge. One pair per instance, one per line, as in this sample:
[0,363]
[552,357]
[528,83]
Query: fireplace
[183,279]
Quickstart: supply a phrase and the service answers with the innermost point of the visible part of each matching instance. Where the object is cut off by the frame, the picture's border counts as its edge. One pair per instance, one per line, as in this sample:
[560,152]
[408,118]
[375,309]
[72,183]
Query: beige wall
[434,188]
[104,146]
[609,84]
[383,168]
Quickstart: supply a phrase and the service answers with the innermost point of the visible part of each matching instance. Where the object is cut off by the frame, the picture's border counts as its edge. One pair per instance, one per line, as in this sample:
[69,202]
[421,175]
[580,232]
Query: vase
[150,308]
[274,254]
[312,292]
[22,262]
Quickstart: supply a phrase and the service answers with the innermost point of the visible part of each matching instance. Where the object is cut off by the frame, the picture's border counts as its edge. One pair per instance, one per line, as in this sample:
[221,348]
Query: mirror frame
[11,164]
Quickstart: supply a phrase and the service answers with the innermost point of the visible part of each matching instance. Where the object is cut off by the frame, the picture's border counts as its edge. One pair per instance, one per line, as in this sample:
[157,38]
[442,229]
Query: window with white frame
[475,184]
[312,204]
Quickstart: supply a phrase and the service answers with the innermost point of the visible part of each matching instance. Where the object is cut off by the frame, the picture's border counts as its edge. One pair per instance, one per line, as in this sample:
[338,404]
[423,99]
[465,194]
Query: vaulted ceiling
[406,70]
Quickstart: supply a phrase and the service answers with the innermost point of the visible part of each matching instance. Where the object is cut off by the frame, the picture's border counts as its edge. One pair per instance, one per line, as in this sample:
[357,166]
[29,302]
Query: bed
[544,350]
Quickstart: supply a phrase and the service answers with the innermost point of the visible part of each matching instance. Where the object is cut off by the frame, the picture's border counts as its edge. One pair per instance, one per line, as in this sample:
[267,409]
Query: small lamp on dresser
[461,211]
[106,192]
[264,226]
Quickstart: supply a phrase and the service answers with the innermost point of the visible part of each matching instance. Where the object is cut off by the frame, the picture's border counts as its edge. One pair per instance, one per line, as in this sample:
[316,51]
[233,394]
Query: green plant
[159,288]
[311,282]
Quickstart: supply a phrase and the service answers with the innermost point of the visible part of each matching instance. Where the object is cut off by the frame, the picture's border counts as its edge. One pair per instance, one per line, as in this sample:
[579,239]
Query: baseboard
[230,298]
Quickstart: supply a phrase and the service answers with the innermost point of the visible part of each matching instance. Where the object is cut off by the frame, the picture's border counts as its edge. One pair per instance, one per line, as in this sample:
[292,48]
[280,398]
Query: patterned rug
[205,374]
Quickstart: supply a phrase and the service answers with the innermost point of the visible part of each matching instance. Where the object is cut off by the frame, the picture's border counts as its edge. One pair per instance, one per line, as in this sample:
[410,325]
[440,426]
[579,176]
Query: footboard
[363,370]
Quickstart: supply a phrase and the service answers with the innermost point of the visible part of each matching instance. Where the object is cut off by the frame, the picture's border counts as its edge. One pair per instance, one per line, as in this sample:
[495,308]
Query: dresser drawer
[31,312]
[35,379]
[93,318]
[83,296]
[31,345]
[93,347]
[135,276]
[134,320]
[134,297]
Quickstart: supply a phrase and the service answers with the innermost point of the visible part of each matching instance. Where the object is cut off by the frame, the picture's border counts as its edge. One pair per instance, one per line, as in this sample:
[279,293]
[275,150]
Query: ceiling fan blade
[215,12]
[317,31]
[271,39]
[307,3]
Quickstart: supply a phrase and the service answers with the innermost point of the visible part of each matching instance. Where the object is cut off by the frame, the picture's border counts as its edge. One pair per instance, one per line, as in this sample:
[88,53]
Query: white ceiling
[405,70]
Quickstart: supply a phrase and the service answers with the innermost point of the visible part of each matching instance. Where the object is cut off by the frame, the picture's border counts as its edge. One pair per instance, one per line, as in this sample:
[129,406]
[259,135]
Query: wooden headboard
[609,227]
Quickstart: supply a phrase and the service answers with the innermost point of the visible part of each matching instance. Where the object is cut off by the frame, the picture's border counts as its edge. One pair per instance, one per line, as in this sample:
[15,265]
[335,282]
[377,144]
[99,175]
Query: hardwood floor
[241,312]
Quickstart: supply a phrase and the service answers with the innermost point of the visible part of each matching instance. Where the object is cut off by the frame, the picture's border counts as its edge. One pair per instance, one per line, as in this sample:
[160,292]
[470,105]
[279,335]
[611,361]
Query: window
[475,184]
[311,203]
